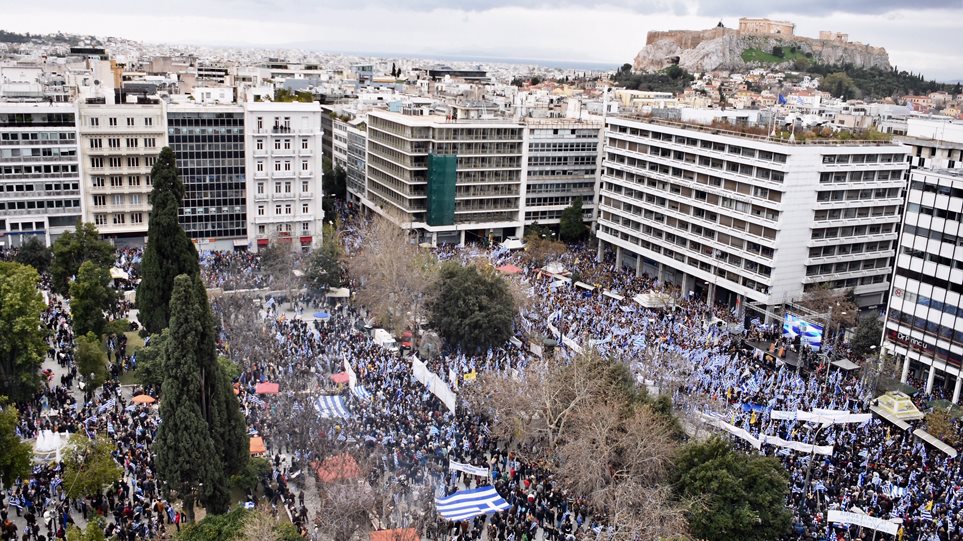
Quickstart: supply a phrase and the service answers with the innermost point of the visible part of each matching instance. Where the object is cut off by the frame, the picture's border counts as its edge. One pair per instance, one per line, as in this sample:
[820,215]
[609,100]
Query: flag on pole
[468,504]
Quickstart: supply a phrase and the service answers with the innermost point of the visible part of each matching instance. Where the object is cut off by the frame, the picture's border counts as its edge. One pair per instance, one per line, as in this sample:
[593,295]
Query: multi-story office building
[208,142]
[40,172]
[119,144]
[561,167]
[446,180]
[924,325]
[339,143]
[284,165]
[935,143]
[357,148]
[736,217]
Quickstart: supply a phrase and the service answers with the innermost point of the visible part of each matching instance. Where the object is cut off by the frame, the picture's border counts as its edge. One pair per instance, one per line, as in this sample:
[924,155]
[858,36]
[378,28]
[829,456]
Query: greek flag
[361,393]
[331,406]
[468,504]
[925,515]
[106,406]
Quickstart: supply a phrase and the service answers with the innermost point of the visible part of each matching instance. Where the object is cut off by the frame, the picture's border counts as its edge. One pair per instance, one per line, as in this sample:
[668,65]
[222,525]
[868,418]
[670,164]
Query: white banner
[352,377]
[553,330]
[798,446]
[734,430]
[571,344]
[434,384]
[823,417]
[866,521]
[467,468]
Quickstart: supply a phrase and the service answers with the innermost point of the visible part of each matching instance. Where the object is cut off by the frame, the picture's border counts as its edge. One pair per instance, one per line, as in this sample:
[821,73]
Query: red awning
[267,388]
[262,242]
[306,240]
[341,377]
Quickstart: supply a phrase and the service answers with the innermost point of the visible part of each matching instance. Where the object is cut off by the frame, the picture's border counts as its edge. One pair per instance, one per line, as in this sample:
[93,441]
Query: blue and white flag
[361,393]
[468,504]
[331,406]
[106,406]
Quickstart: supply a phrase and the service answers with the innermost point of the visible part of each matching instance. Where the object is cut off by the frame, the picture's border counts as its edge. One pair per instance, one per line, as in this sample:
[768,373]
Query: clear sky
[922,36]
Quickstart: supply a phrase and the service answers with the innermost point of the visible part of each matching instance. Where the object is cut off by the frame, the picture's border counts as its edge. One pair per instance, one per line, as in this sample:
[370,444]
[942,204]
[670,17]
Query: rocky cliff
[728,49]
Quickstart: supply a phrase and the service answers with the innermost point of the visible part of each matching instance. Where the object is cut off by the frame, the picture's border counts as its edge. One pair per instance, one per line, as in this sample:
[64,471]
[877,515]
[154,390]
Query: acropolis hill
[751,45]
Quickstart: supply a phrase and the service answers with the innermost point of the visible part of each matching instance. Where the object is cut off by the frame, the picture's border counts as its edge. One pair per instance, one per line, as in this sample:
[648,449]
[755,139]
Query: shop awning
[306,240]
[262,242]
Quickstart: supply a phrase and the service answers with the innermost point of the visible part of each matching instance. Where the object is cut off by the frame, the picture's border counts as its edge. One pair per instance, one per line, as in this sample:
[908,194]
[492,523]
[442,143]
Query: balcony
[284,196]
[306,195]
[260,197]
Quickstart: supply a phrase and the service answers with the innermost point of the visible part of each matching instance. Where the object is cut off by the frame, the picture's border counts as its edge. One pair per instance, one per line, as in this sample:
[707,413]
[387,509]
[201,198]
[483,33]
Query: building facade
[561,167]
[446,180]
[737,218]
[924,324]
[119,144]
[339,143]
[40,172]
[208,142]
[357,158]
[284,165]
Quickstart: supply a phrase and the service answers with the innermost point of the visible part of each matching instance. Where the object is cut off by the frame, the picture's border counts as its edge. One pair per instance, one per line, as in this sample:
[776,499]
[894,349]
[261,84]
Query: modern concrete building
[357,158]
[119,144]
[446,180]
[924,325]
[339,143]
[735,217]
[208,141]
[561,167]
[284,170]
[40,171]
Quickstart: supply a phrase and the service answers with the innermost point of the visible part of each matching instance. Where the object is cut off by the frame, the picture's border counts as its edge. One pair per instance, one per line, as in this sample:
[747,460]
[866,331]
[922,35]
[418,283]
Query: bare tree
[823,298]
[392,276]
[540,251]
[345,508]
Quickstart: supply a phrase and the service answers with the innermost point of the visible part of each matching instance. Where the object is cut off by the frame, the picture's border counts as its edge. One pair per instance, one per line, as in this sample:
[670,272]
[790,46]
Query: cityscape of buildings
[749,189]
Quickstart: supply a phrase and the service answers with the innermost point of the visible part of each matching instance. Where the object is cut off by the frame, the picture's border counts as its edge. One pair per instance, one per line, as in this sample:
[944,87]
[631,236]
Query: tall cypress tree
[187,460]
[169,252]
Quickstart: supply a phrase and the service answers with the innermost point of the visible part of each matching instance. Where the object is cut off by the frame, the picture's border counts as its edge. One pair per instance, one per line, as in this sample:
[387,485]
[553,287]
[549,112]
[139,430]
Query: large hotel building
[738,218]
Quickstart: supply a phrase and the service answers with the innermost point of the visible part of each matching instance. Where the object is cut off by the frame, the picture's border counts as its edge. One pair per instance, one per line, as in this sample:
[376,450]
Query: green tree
[324,265]
[72,249]
[473,308]
[90,296]
[35,253]
[94,531]
[91,359]
[15,455]
[22,343]
[839,85]
[571,226]
[89,467]
[741,496]
[868,333]
[150,363]
[202,439]
[169,252]
[335,182]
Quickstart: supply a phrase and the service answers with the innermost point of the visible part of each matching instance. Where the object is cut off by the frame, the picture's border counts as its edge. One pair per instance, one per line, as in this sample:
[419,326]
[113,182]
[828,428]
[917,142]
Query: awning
[118,274]
[256,446]
[583,285]
[341,377]
[652,300]
[408,534]
[306,240]
[845,364]
[513,244]
[611,295]
[336,468]
[554,268]
[894,420]
[267,388]
[935,442]
[509,269]
[262,242]
[338,293]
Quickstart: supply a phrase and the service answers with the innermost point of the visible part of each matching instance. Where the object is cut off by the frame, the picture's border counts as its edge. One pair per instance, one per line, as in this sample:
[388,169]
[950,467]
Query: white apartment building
[40,172]
[935,143]
[446,180]
[924,325]
[284,170]
[562,166]
[737,218]
[119,145]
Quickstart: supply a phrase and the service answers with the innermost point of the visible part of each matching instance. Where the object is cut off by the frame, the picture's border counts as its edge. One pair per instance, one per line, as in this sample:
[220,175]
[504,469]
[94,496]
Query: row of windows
[689,176]
[305,228]
[46,204]
[848,249]
[42,152]
[550,187]
[848,283]
[944,307]
[858,159]
[949,285]
[561,161]
[933,188]
[701,143]
[117,181]
[851,266]
[129,142]
[288,209]
[564,147]
[45,170]
[113,121]
[116,161]
[33,136]
[852,231]
[31,187]
[933,235]
[747,170]
[934,258]
[305,187]
[857,195]
[935,212]
[558,200]
[851,213]
[136,218]
[923,324]
[279,143]
[860,176]
[36,119]
[118,199]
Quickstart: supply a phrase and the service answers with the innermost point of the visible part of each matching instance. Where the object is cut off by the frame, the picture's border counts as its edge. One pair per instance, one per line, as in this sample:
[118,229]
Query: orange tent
[509,269]
[257,445]
[266,388]
[143,399]
[336,468]
[341,377]
[406,534]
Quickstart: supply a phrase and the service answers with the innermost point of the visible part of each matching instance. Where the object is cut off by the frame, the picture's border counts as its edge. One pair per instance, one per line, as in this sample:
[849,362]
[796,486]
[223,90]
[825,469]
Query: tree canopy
[91,359]
[16,456]
[89,467]
[740,496]
[90,296]
[22,343]
[75,247]
[169,251]
[869,333]
[473,308]
[324,265]
[571,225]
[35,253]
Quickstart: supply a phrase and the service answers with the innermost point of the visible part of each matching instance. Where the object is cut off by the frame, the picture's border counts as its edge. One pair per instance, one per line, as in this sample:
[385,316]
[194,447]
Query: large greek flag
[361,393]
[331,406]
[468,504]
